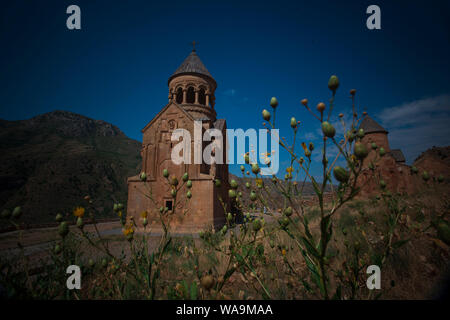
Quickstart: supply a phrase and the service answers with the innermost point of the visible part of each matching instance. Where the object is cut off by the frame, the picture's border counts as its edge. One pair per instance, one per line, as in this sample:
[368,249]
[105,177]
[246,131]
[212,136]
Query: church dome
[192,65]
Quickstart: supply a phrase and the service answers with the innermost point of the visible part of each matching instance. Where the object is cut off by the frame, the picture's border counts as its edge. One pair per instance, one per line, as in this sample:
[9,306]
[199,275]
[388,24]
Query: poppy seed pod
[382,184]
[189,194]
[304,102]
[425,176]
[360,133]
[253,196]
[352,92]
[165,173]
[242,168]
[374,146]
[414,169]
[333,83]
[382,151]
[143,176]
[266,115]
[144,222]
[255,168]
[247,185]
[328,130]
[257,224]
[189,184]
[273,102]
[232,193]
[218,183]
[233,184]
[59,217]
[185,177]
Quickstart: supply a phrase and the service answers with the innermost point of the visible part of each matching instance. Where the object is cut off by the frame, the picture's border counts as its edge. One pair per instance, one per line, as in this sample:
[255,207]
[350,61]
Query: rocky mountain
[50,162]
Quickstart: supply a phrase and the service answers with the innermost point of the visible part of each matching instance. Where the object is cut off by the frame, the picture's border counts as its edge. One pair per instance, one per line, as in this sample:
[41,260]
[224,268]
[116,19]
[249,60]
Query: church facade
[191,98]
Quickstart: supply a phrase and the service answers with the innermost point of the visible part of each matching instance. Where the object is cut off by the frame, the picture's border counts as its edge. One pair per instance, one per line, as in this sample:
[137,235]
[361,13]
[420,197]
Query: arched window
[179,95]
[202,97]
[190,98]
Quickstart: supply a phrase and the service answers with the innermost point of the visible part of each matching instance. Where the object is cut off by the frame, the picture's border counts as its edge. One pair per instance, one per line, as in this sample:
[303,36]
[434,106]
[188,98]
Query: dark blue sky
[116,67]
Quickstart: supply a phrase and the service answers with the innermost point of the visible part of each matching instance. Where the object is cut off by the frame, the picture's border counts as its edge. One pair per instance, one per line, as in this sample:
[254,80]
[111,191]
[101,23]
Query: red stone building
[191,98]
[391,167]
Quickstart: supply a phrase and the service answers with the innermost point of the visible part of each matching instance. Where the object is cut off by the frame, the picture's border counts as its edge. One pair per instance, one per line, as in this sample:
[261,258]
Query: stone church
[191,98]
[392,167]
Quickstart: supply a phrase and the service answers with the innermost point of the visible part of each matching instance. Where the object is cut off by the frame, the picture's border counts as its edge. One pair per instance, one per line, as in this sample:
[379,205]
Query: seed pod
[425,176]
[328,130]
[320,107]
[311,146]
[382,151]
[161,210]
[273,102]
[266,115]
[173,181]
[218,183]
[115,207]
[173,192]
[284,222]
[307,153]
[256,225]
[63,229]
[341,115]
[91,263]
[382,184]
[232,193]
[247,158]
[253,196]
[185,177]
[293,123]
[341,174]
[17,212]
[120,206]
[189,184]
[59,217]
[229,217]
[224,230]
[288,211]
[360,150]
[274,180]
[304,102]
[414,169]
[333,83]
[143,176]
[234,184]
[144,222]
[207,282]
[255,168]
[360,133]
[189,194]
[80,223]
[247,185]
[374,146]
[242,168]
[352,92]
[165,173]
[104,262]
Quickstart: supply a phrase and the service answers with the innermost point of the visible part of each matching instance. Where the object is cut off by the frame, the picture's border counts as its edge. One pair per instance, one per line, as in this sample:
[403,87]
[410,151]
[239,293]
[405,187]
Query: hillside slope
[50,162]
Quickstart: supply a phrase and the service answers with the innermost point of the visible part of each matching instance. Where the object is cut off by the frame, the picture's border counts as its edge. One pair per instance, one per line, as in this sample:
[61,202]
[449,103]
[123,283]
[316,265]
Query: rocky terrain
[50,162]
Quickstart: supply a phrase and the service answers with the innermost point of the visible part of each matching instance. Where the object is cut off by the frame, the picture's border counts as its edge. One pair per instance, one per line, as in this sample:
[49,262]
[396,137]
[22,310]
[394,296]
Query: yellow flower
[79,212]
[259,182]
[144,214]
[289,169]
[128,230]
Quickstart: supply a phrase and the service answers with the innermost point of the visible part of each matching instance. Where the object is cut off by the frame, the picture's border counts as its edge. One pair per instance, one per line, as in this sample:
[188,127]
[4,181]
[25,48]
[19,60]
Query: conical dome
[192,65]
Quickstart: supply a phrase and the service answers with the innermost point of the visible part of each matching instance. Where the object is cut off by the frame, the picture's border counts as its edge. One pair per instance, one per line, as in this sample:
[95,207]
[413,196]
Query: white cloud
[418,125]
